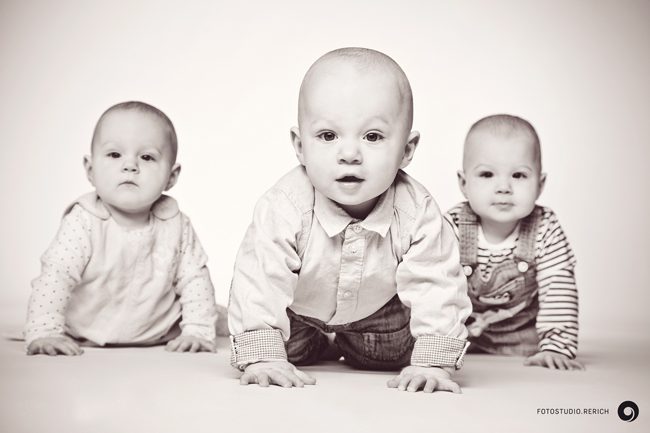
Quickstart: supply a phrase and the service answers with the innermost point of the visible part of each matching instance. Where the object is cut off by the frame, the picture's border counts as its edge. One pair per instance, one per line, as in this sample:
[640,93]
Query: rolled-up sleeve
[264,279]
[430,281]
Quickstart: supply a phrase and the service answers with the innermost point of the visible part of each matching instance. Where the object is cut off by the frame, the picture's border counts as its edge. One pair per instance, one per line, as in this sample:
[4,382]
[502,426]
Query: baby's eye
[114,155]
[373,137]
[486,174]
[327,136]
[147,157]
[519,175]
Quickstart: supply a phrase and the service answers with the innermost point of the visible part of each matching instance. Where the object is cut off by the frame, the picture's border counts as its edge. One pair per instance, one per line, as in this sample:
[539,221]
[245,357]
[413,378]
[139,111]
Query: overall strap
[467,222]
[527,237]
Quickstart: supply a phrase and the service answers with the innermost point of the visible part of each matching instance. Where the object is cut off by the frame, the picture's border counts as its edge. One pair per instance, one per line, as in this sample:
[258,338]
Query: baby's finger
[416,383]
[431,385]
[184,346]
[49,349]
[248,378]
[548,361]
[172,346]
[195,347]
[404,382]
[76,350]
[280,379]
[263,379]
[307,379]
[394,382]
[295,380]
[448,385]
[577,365]
[65,349]
[208,346]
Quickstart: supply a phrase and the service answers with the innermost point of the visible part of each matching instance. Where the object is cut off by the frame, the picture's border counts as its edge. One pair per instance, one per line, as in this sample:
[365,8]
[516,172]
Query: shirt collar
[164,208]
[334,219]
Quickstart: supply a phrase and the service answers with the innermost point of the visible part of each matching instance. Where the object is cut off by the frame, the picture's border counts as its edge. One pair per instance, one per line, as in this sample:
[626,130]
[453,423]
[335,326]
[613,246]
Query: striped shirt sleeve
[557,320]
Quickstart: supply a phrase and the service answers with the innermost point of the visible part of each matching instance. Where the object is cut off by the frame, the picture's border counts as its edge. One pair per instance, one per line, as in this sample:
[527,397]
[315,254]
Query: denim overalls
[505,306]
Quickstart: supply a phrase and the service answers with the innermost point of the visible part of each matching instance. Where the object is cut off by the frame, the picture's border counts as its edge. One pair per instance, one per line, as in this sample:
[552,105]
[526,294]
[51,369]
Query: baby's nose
[130,166]
[349,152]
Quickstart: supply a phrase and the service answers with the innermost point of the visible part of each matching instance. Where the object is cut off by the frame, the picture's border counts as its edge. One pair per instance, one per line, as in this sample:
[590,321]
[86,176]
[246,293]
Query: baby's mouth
[129,182]
[349,179]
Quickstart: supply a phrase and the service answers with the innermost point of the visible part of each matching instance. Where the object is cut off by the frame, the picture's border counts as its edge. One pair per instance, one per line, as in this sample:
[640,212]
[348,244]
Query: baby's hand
[184,343]
[413,378]
[281,373]
[554,361]
[53,346]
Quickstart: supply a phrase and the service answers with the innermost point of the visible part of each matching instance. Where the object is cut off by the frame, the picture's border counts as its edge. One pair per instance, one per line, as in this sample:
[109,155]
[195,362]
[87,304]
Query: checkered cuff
[439,351]
[254,346]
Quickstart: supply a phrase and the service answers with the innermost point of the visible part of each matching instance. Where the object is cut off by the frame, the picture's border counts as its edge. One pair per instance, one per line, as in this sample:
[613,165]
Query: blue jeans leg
[381,341]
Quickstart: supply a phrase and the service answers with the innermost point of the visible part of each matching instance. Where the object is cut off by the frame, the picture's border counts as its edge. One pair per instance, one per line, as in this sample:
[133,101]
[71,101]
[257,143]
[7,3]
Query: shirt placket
[352,254]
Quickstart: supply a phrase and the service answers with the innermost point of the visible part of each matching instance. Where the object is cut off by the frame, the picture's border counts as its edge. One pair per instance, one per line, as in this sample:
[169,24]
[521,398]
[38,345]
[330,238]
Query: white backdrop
[228,74]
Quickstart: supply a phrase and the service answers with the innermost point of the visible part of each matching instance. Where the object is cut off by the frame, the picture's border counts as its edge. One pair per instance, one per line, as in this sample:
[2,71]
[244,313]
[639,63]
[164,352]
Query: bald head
[502,126]
[363,61]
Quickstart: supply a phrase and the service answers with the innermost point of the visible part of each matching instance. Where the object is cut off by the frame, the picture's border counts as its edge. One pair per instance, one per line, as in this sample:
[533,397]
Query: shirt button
[353,248]
[467,270]
[522,266]
[356,228]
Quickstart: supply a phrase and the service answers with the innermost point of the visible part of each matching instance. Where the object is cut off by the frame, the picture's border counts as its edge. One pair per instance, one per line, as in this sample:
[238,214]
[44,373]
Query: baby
[348,255]
[517,260]
[126,267]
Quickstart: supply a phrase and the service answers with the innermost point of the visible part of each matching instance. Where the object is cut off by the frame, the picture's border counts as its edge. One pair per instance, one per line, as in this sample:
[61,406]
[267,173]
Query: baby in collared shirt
[125,267]
[347,254]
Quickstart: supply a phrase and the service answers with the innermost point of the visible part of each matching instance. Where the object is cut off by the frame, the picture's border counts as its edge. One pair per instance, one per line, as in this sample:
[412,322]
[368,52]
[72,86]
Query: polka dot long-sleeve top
[108,284]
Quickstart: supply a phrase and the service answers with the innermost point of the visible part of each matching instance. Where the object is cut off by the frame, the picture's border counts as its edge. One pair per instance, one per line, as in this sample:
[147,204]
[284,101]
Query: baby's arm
[196,292]
[264,278]
[557,320]
[61,269]
[430,281]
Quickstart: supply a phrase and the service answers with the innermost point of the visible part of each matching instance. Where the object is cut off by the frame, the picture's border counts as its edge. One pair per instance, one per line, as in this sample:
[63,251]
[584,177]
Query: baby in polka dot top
[126,267]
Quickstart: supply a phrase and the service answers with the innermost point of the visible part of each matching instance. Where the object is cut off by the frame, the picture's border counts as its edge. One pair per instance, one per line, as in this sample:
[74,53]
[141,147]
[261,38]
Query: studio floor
[150,390]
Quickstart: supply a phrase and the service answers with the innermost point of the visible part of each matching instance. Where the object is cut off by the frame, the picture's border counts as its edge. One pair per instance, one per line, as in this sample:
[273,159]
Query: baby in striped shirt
[126,267]
[518,262]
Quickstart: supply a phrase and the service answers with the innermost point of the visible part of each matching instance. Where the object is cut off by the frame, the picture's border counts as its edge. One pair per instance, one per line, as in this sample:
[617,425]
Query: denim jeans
[381,341]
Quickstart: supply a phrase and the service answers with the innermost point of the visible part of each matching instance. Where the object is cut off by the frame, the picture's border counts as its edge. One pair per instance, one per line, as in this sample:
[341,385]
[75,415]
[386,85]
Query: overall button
[522,266]
[467,270]
[353,248]
[347,295]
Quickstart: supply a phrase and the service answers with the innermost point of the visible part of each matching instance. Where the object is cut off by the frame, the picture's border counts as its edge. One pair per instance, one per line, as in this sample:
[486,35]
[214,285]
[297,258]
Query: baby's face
[131,163]
[502,176]
[353,136]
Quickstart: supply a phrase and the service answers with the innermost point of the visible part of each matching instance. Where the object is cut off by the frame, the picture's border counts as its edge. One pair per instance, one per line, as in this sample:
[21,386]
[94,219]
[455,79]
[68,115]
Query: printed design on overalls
[511,286]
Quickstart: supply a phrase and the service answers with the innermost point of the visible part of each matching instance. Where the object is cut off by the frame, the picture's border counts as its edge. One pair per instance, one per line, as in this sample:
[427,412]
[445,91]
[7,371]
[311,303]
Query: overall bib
[505,306]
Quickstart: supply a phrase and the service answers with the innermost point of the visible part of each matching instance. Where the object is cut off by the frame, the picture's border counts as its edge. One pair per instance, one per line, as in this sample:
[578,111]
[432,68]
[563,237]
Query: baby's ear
[409,149]
[297,144]
[462,182]
[173,176]
[88,166]
[542,183]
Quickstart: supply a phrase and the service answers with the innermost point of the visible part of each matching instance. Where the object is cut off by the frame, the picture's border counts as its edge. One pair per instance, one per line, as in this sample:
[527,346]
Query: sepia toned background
[228,74]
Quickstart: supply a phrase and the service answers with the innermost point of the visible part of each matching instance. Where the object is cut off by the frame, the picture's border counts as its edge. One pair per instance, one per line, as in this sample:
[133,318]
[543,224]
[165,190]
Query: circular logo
[628,411]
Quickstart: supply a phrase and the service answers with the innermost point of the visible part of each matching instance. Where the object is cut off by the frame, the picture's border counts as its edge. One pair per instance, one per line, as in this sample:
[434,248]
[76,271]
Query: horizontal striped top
[557,320]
